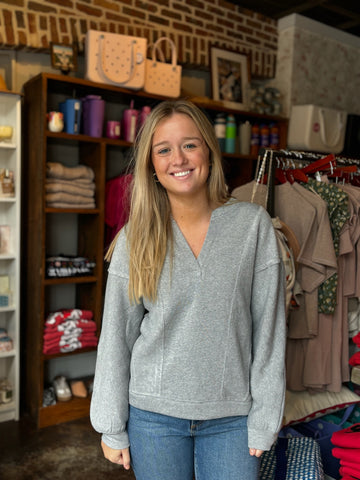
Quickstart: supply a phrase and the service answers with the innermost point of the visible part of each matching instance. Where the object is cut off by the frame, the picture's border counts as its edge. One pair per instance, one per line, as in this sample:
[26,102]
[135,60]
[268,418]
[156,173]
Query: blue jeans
[169,448]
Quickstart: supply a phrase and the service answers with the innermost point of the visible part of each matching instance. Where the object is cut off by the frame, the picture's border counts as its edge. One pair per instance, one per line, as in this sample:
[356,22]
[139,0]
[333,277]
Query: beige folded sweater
[58,170]
[70,187]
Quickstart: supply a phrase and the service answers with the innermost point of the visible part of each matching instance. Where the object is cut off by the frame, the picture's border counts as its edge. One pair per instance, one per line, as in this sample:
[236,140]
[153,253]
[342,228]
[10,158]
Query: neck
[191,210]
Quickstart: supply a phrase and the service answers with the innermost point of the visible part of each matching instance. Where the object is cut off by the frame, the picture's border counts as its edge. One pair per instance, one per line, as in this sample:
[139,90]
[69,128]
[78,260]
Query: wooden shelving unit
[10,213]
[41,95]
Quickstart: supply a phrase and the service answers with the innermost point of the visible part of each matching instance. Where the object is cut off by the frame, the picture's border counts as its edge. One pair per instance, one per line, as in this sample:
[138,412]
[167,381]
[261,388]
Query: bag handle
[328,143]
[173,50]
[159,52]
[102,54]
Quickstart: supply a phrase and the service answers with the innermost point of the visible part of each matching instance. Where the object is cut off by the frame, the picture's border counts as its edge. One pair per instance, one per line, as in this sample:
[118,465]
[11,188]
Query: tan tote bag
[115,59]
[163,78]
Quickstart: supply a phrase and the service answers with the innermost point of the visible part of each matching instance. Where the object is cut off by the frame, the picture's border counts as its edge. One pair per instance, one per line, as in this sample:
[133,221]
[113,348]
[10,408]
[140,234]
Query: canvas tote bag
[163,78]
[316,129]
[115,59]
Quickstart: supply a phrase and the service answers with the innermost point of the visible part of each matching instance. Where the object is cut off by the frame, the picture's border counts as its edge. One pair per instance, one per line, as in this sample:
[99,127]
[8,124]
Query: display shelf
[10,214]
[85,228]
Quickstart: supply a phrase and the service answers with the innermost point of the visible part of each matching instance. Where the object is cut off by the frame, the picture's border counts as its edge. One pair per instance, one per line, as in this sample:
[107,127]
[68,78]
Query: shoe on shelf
[62,389]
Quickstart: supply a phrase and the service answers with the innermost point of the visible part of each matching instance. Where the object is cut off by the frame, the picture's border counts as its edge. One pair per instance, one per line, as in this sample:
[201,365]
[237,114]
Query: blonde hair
[149,231]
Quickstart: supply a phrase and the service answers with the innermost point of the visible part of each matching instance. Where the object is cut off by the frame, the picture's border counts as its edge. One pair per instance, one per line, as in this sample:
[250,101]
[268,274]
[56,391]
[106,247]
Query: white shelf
[10,158]
[10,146]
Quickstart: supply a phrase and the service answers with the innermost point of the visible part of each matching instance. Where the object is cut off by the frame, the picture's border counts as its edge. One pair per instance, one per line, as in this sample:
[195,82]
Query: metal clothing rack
[295,156]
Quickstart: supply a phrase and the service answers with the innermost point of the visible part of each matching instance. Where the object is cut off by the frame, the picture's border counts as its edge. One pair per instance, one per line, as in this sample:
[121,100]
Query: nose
[179,156]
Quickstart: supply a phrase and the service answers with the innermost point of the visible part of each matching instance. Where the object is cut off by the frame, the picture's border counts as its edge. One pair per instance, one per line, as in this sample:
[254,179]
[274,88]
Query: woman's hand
[256,452]
[122,457]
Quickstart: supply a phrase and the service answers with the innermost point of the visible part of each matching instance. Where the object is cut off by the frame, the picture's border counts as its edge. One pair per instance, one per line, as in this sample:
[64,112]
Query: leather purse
[115,59]
[163,78]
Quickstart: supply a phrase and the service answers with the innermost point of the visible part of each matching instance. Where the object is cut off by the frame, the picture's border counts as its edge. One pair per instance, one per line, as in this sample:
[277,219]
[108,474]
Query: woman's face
[180,157]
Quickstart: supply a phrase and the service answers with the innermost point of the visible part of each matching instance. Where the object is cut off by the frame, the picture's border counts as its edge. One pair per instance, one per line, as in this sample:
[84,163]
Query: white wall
[317,64]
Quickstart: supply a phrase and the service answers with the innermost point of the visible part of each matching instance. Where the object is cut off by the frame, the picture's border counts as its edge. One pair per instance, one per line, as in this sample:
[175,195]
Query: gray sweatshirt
[213,343]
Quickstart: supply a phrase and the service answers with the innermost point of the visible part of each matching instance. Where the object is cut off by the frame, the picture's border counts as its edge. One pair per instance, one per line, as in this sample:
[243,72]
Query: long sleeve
[120,329]
[267,372]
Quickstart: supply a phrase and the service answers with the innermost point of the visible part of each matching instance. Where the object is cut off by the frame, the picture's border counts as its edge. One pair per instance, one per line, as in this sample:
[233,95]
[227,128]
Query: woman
[190,367]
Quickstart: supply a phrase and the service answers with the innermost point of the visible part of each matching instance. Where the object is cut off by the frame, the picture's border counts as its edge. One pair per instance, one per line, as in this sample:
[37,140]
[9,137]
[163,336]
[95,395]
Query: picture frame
[230,77]
[64,57]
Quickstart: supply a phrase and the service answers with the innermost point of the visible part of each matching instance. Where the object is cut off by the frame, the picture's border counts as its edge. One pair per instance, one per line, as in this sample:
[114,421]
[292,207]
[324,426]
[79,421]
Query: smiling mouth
[182,174]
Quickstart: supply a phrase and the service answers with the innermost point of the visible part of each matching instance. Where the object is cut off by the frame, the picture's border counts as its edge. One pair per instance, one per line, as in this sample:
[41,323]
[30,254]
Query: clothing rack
[295,156]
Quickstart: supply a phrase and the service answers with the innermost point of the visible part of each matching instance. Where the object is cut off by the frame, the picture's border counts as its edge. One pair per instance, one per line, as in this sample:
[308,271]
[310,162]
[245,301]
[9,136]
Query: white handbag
[163,78]
[115,59]
[316,129]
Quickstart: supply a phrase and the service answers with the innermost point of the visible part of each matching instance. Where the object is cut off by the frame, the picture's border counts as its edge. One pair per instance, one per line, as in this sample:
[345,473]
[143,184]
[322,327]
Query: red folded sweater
[349,471]
[348,437]
[347,454]
[355,359]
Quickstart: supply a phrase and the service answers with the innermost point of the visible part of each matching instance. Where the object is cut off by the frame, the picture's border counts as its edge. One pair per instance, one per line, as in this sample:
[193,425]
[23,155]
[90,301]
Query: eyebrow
[185,139]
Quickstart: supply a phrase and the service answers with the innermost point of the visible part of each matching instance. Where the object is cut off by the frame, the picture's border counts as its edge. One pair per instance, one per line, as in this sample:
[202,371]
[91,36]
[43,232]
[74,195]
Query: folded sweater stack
[69,187]
[68,330]
[347,449]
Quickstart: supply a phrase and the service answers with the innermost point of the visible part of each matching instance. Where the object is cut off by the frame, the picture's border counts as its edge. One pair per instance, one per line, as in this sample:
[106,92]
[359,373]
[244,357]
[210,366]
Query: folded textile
[347,454]
[65,340]
[349,471]
[58,170]
[355,359]
[355,467]
[356,339]
[57,317]
[70,205]
[66,198]
[70,188]
[347,437]
[349,477]
[80,182]
[70,347]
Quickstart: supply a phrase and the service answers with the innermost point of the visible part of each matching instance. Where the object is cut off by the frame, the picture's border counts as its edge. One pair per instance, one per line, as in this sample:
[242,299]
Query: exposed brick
[83,26]
[54,36]
[62,3]
[62,25]
[133,13]
[21,38]
[194,21]
[214,28]
[13,3]
[116,18]
[20,23]
[203,15]
[180,6]
[9,27]
[225,23]
[66,40]
[39,7]
[196,3]
[147,6]
[44,41]
[91,11]
[107,4]
[32,23]
[43,22]
[171,14]
[182,27]
[159,20]
[127,2]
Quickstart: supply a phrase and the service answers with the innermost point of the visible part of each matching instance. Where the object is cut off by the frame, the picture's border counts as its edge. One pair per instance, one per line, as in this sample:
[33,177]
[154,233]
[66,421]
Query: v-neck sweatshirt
[213,343]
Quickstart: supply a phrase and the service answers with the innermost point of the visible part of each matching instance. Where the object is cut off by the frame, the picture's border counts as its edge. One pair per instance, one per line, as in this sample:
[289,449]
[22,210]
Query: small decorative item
[6,132]
[4,239]
[230,77]
[265,100]
[55,121]
[113,129]
[64,57]
[7,186]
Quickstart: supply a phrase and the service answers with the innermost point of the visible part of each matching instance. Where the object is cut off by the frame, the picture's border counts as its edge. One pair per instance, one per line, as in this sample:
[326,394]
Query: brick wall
[192,24]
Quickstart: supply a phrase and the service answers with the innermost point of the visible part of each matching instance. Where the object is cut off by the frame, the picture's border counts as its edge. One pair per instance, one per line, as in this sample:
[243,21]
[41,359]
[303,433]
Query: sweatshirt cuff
[261,440]
[116,441]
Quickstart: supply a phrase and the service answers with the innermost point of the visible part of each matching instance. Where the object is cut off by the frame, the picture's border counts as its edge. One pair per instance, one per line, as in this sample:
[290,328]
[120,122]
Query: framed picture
[64,57]
[230,77]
